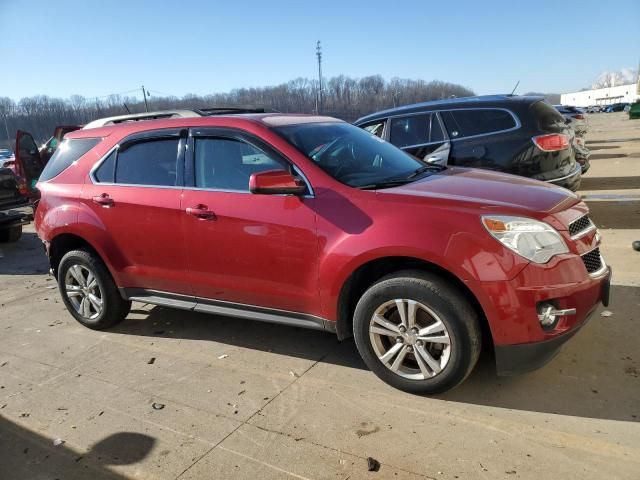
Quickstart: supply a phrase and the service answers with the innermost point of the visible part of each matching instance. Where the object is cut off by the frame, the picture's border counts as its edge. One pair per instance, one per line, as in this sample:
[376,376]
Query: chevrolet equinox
[313,222]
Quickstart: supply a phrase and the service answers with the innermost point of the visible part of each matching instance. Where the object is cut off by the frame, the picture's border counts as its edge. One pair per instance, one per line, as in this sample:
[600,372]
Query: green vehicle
[634,111]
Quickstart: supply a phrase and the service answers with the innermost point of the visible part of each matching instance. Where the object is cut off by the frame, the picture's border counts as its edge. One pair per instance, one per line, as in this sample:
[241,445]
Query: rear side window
[106,170]
[153,162]
[467,123]
[547,117]
[375,128]
[68,152]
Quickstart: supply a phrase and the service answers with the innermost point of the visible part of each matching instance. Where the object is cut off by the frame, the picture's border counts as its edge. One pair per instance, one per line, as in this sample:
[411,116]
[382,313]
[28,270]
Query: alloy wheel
[410,339]
[83,291]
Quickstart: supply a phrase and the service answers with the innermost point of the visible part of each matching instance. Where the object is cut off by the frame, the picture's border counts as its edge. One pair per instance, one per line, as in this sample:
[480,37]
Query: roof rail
[233,110]
[137,117]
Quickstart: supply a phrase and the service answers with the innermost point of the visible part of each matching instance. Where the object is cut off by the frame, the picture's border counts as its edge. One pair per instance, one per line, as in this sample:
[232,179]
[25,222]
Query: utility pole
[319,55]
[144,95]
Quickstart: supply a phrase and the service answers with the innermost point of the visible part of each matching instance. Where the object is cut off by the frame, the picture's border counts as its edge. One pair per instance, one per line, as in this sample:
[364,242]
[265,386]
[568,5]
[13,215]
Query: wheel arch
[65,242]
[371,271]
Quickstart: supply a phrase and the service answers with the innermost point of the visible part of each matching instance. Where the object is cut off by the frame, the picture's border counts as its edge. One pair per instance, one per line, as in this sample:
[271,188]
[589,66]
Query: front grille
[592,260]
[579,225]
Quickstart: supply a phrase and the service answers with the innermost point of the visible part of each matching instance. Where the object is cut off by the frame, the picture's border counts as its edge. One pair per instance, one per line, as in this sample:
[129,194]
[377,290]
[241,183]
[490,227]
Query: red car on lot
[310,221]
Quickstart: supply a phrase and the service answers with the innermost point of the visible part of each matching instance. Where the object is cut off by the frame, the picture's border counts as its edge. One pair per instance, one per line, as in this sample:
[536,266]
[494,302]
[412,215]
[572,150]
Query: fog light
[548,314]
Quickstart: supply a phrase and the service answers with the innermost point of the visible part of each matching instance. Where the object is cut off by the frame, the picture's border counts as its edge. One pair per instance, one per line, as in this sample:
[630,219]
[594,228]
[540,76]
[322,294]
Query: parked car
[6,157]
[15,208]
[519,135]
[634,110]
[575,117]
[594,109]
[616,107]
[312,222]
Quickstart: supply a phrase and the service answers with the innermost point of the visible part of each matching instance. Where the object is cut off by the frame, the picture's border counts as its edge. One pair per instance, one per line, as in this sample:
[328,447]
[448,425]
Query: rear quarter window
[68,152]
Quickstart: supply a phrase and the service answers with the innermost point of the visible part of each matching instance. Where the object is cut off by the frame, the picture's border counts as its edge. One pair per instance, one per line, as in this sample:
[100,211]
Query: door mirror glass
[276,182]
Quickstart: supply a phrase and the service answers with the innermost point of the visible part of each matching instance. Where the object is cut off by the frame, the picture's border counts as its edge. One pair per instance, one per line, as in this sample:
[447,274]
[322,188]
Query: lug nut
[414,330]
[409,349]
[419,343]
[402,328]
[399,340]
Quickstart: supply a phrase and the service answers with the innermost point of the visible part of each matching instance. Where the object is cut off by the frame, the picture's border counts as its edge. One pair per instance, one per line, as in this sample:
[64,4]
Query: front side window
[227,164]
[376,129]
[467,123]
[351,155]
[151,162]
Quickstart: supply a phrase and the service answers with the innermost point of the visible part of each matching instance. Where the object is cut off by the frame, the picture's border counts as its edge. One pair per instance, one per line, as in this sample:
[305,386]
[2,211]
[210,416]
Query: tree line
[342,97]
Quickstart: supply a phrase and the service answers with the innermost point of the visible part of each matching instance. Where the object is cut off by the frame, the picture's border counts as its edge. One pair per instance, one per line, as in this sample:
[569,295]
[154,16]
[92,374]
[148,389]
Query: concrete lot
[245,399]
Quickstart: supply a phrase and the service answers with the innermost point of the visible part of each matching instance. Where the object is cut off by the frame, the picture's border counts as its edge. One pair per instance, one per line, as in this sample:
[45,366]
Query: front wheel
[89,292]
[417,332]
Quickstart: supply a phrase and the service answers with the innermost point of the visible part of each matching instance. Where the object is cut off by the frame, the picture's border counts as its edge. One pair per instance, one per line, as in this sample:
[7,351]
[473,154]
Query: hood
[490,189]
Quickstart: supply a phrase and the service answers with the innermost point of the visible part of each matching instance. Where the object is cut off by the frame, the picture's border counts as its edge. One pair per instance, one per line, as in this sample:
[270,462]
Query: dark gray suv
[519,135]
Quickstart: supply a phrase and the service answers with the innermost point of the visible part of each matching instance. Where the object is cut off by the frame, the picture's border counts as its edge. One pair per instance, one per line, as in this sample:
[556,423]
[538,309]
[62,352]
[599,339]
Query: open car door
[49,148]
[28,164]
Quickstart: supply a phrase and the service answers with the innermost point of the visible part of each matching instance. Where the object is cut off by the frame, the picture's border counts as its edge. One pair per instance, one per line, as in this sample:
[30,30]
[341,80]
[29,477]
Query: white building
[602,96]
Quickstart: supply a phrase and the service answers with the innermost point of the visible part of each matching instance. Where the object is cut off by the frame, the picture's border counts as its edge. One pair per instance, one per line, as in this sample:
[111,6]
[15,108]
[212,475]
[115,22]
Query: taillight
[579,116]
[22,186]
[552,142]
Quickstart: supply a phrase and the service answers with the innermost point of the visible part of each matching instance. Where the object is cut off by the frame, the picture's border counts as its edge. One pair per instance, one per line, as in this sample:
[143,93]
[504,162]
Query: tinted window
[413,130]
[227,164]
[106,170]
[151,162]
[465,123]
[68,152]
[375,128]
[349,154]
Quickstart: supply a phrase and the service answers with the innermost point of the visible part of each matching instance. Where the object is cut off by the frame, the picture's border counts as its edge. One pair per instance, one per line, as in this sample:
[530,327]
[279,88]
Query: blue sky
[95,48]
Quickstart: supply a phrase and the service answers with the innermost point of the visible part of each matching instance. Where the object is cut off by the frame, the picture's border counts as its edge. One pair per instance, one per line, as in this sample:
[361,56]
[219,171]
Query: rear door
[135,193]
[28,164]
[422,135]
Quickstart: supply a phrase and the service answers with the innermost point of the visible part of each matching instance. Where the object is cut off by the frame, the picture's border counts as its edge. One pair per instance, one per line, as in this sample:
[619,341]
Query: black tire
[114,307]
[449,304]
[11,234]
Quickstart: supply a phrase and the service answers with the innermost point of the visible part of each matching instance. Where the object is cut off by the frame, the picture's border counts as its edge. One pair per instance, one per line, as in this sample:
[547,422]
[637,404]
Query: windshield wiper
[383,184]
[434,167]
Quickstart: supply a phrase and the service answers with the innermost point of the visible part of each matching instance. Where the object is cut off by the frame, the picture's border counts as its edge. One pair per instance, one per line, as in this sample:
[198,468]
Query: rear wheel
[11,234]
[89,292]
[417,333]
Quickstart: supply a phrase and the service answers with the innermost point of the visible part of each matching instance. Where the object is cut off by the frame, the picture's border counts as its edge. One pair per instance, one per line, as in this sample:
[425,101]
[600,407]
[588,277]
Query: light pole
[319,55]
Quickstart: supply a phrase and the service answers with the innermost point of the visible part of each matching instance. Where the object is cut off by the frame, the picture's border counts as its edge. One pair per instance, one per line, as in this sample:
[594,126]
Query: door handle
[201,211]
[105,200]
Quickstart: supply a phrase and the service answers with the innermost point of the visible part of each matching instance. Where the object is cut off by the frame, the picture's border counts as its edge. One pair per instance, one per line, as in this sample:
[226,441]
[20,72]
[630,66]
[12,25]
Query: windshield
[351,155]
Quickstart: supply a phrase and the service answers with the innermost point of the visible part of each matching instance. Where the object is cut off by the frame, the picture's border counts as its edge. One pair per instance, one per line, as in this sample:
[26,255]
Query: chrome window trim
[102,159]
[452,139]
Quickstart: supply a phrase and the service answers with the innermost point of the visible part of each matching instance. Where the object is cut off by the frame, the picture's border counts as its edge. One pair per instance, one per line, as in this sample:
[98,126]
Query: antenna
[514,88]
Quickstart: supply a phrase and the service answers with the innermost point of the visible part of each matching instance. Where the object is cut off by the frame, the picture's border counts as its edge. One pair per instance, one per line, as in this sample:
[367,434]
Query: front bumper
[521,343]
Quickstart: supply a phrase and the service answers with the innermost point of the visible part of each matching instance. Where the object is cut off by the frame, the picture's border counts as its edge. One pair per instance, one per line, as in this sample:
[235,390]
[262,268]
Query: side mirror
[276,182]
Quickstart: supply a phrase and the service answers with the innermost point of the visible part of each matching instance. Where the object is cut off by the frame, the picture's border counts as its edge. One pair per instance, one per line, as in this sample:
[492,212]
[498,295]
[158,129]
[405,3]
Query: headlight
[531,239]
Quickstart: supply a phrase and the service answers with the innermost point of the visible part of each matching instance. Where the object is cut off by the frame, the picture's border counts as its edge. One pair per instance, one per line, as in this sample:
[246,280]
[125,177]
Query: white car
[6,157]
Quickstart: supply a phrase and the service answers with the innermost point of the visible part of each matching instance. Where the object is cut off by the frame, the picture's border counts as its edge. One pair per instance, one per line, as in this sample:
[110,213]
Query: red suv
[313,222]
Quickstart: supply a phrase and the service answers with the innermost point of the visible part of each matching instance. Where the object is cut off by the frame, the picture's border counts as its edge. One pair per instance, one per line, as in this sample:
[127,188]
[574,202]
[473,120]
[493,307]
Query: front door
[135,194]
[245,248]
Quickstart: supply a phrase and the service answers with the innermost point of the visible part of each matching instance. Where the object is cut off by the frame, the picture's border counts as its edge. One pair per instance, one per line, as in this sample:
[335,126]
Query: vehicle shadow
[27,454]
[609,183]
[596,375]
[617,212]
[24,257]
